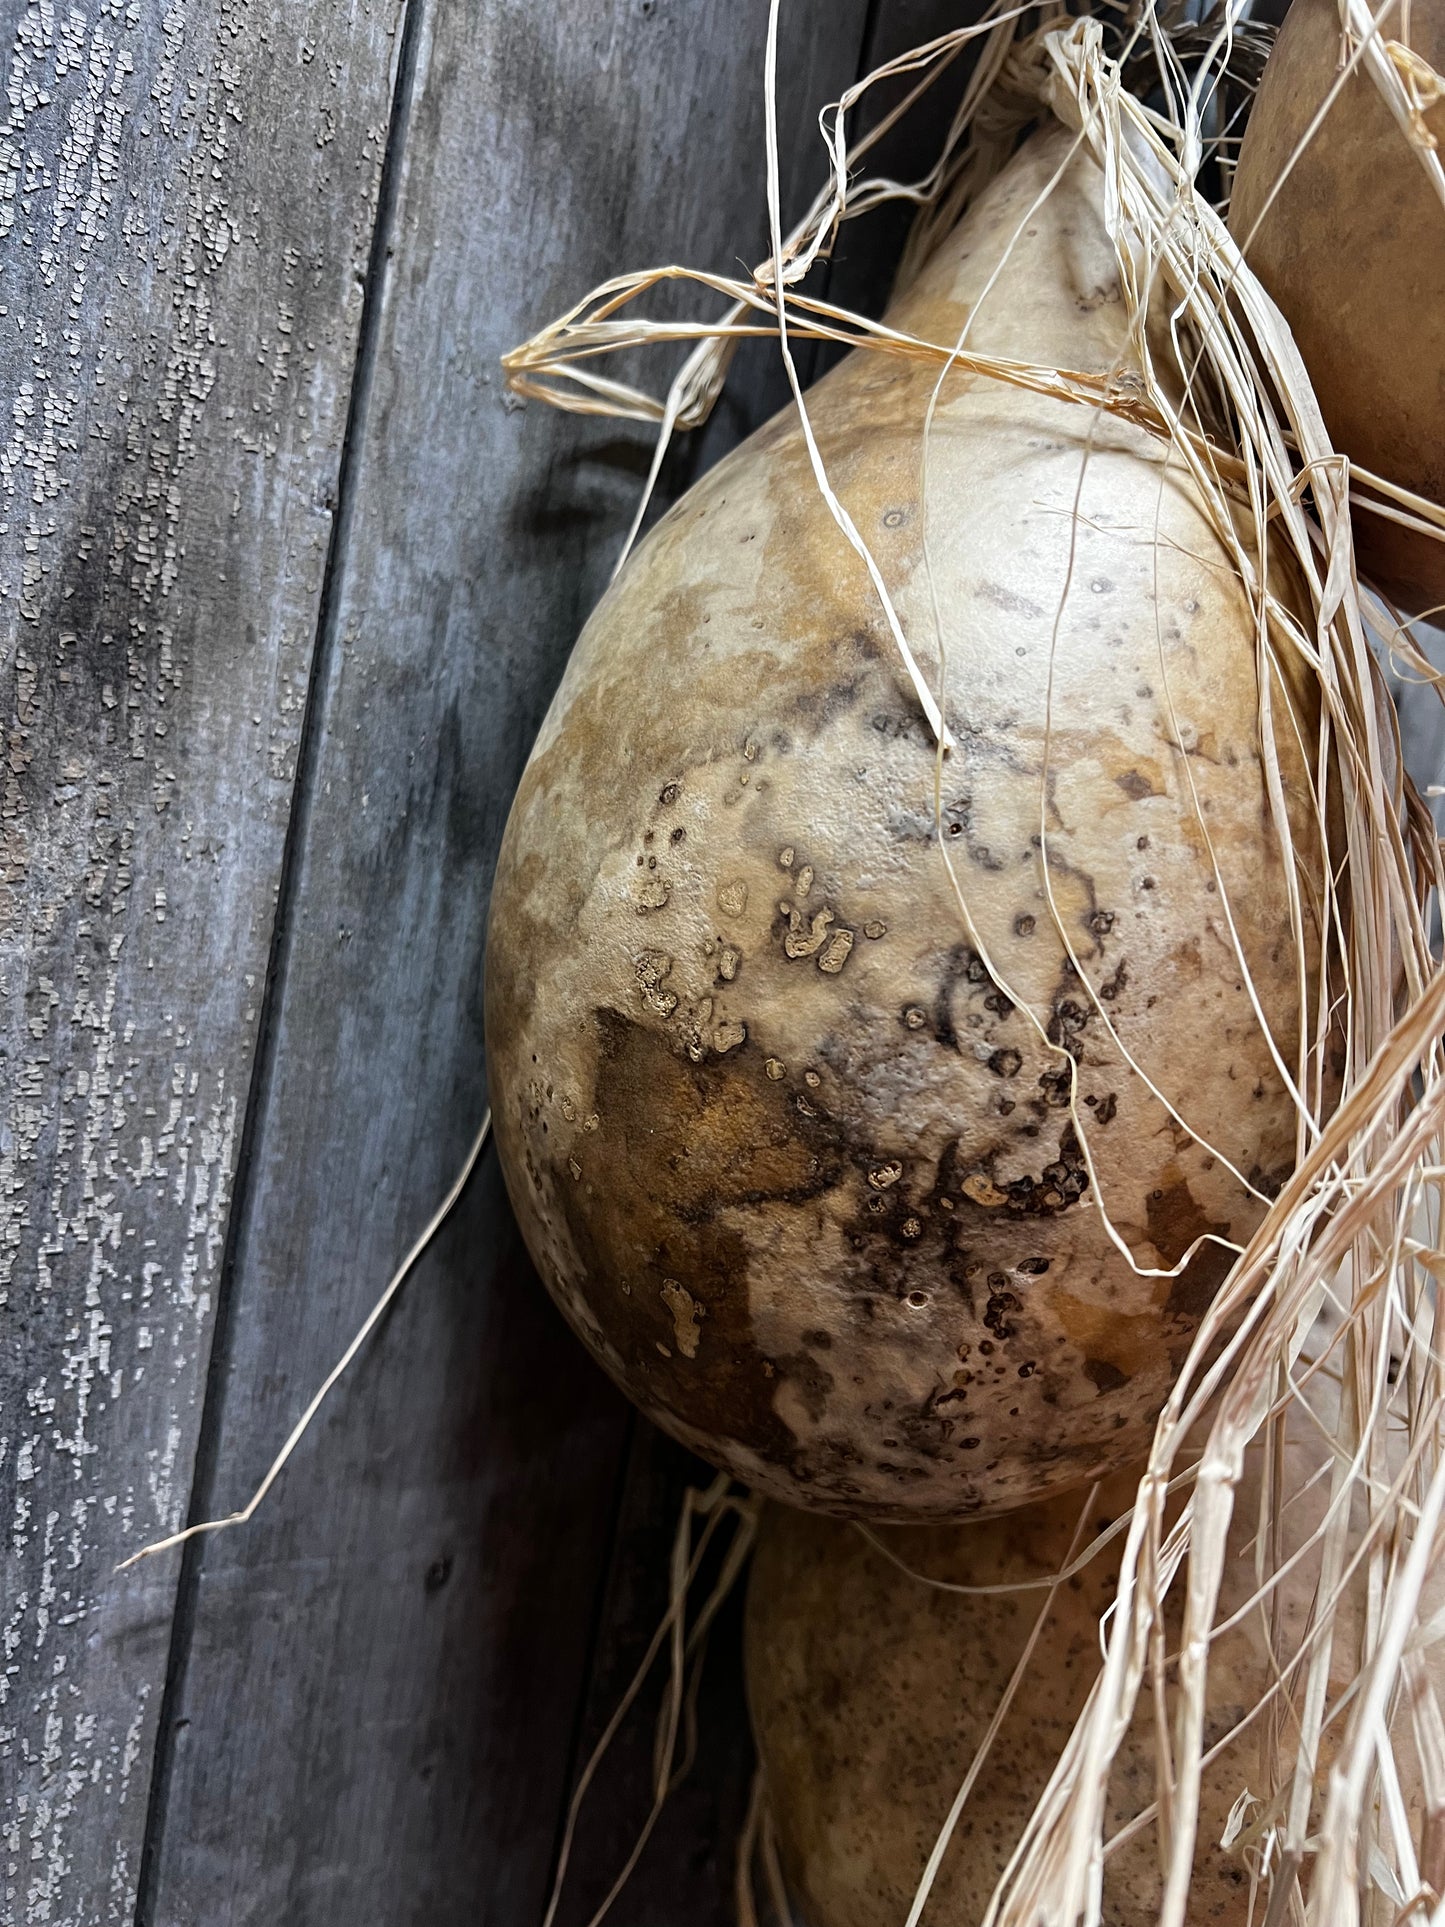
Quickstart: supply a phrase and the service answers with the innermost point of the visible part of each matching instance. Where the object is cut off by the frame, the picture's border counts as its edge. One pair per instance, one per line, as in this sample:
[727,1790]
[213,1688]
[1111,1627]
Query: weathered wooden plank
[373,1714]
[867,250]
[686,1870]
[1422,718]
[186,200]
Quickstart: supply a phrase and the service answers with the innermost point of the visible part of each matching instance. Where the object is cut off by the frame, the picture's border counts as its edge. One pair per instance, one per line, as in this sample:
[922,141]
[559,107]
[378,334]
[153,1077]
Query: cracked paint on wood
[186,204]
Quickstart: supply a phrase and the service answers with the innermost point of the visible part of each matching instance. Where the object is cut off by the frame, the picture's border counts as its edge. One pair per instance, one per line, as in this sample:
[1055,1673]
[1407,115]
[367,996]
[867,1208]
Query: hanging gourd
[1346,229]
[884,1120]
[875,1671]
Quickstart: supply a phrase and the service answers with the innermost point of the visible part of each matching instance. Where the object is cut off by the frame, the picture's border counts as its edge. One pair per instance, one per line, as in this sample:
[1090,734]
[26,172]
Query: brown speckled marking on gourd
[985,1342]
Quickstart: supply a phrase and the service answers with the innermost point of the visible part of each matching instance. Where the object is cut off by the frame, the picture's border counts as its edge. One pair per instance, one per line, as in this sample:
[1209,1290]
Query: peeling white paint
[179,295]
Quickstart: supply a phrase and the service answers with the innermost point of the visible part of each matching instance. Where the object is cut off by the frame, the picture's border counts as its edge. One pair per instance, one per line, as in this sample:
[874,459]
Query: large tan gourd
[870,1693]
[1352,248]
[788,1156]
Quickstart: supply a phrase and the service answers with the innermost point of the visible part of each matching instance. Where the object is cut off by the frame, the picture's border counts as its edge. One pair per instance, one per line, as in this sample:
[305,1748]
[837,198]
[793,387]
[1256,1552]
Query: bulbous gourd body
[871,1692]
[782,1058]
[1352,248]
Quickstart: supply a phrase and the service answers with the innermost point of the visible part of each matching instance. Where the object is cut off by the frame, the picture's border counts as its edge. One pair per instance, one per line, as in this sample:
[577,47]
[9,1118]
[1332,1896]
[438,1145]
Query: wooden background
[285,583]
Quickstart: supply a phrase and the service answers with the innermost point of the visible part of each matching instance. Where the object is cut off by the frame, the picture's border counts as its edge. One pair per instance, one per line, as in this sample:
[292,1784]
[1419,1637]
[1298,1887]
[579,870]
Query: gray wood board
[377,1683]
[687,1868]
[186,200]
[866,250]
[1422,719]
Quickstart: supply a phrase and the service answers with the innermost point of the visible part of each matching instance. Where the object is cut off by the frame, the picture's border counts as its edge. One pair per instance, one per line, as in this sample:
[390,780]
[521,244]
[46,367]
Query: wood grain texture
[185,210]
[372,1714]
[866,251]
[687,1867]
[1422,717]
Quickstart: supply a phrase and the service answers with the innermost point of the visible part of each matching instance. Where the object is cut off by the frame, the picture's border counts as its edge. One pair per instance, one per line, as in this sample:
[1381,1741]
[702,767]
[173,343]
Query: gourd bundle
[960,1007]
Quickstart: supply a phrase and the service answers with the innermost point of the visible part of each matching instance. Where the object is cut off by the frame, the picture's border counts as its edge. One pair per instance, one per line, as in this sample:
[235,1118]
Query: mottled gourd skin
[796,1168]
[1353,251]
[870,1694]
